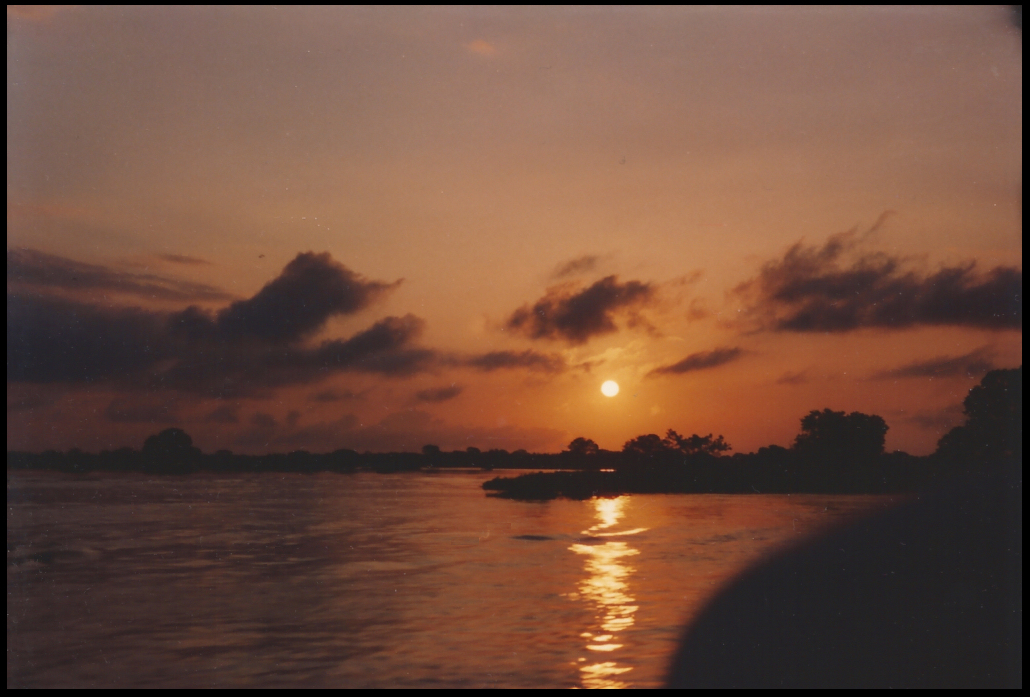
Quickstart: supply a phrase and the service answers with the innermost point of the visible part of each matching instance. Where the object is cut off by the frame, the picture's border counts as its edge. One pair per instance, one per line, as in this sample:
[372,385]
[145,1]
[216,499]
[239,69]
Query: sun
[610,388]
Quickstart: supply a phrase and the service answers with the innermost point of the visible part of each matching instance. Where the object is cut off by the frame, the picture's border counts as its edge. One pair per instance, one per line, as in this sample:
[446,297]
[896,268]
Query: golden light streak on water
[607,585]
[609,511]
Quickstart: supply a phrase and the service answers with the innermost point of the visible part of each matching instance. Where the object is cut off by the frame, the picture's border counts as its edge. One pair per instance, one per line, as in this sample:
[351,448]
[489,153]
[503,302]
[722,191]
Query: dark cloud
[572,267]
[311,289]
[529,359]
[182,259]
[970,365]
[837,288]
[439,394]
[31,269]
[575,316]
[699,361]
[230,368]
[53,339]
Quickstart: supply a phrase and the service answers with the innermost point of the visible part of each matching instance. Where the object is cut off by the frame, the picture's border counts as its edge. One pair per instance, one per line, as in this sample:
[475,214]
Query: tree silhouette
[432,454]
[171,441]
[839,437]
[583,446]
[674,447]
[695,444]
[171,450]
[647,446]
[994,421]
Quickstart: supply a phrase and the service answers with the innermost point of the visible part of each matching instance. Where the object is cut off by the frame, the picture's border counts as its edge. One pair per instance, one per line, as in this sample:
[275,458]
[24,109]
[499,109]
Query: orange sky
[740,215]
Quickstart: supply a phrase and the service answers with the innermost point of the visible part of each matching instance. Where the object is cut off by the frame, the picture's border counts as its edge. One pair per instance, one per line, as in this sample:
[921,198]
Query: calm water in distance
[366,580]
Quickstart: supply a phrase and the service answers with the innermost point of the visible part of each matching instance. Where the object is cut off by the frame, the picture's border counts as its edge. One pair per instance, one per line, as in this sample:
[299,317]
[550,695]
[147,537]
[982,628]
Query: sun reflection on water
[607,586]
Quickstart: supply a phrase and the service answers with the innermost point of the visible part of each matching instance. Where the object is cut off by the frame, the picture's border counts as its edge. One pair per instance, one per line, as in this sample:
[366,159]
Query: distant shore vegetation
[834,453]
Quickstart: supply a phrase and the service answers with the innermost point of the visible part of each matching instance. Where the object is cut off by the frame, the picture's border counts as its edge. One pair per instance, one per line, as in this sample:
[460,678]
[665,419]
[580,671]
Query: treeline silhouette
[835,452]
[172,452]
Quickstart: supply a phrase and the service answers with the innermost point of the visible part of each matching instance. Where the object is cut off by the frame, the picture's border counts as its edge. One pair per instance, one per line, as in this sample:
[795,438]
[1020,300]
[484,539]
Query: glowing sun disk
[610,388]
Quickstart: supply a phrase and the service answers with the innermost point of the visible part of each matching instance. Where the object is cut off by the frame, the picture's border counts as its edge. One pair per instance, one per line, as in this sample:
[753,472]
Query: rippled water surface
[366,580]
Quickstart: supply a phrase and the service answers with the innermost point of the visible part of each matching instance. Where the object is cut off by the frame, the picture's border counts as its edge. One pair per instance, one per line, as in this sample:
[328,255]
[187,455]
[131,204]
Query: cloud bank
[249,346]
[835,288]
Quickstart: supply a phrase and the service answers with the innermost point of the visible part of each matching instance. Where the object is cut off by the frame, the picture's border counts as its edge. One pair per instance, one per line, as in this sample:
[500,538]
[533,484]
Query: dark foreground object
[927,595]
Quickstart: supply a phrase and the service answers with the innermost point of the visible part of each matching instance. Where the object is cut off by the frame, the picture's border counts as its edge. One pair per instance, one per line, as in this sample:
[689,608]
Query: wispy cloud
[583,264]
[790,378]
[333,395]
[439,394]
[183,259]
[970,365]
[701,360]
[29,269]
[529,359]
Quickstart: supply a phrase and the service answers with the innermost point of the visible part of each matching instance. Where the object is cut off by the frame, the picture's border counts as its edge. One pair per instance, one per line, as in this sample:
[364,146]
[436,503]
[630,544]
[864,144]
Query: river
[366,580]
